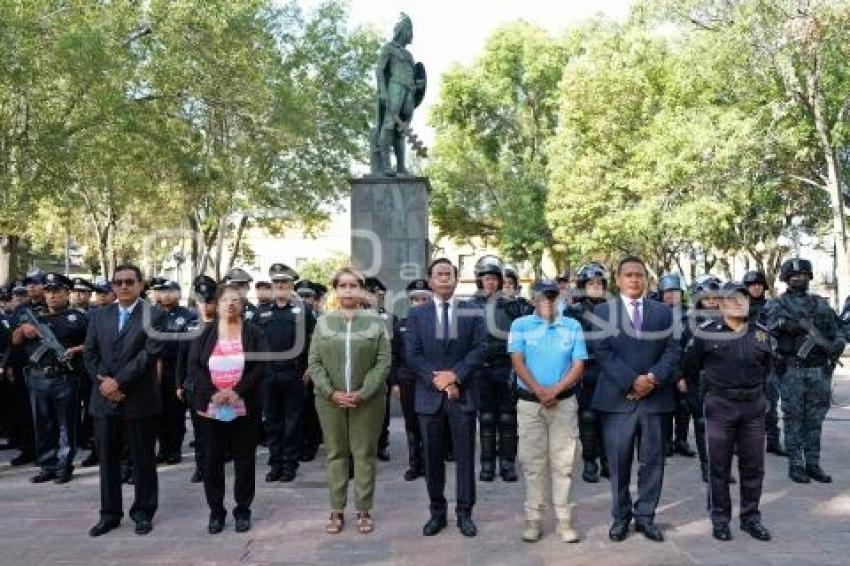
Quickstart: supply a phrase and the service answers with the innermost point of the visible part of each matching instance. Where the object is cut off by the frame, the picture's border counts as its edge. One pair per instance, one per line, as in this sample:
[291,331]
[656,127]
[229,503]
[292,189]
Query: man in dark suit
[638,354]
[445,348]
[121,360]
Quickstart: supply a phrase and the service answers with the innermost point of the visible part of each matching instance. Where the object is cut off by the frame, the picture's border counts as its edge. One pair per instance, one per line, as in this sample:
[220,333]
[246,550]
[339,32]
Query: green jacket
[368,345]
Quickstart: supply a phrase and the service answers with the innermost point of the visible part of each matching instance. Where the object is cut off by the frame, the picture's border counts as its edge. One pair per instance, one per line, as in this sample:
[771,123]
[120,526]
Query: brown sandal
[365,524]
[335,524]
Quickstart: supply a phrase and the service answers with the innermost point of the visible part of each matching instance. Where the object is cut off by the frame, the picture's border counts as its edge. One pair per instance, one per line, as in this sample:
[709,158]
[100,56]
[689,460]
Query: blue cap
[546,287]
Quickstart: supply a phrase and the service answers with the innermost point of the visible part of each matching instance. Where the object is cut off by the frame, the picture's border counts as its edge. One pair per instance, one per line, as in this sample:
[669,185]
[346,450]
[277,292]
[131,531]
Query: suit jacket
[462,353]
[129,356]
[622,356]
[250,384]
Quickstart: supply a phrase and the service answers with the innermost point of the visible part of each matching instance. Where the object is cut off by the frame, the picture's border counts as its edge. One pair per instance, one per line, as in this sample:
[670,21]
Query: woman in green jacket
[349,363]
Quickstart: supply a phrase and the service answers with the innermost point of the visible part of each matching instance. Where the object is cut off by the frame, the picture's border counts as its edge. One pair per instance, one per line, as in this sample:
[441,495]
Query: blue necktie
[123,315]
[445,322]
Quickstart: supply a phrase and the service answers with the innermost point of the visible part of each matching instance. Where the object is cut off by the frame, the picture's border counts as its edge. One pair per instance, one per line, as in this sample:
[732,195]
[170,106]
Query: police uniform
[205,290]
[22,433]
[309,428]
[288,326]
[808,344]
[589,423]
[53,385]
[758,313]
[172,420]
[497,415]
[85,428]
[733,366]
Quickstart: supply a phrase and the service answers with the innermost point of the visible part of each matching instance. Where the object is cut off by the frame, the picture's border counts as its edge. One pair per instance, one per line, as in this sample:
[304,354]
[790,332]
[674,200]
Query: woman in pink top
[228,375]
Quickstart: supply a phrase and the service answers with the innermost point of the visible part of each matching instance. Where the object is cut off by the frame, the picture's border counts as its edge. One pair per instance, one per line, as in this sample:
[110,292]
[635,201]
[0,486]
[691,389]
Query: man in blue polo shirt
[548,353]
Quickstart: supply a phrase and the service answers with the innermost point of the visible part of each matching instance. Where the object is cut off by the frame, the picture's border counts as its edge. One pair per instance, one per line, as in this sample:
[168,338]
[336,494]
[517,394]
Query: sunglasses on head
[123,282]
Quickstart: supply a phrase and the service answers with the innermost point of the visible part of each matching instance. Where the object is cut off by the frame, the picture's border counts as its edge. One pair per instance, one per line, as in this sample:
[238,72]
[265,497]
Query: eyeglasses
[123,282]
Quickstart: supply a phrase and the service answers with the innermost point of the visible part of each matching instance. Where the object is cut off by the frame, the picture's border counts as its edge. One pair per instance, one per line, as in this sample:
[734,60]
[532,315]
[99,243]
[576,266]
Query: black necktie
[445,322]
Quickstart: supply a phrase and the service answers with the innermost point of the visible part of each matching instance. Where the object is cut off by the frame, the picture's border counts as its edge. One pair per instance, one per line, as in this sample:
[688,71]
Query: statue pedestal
[389,232]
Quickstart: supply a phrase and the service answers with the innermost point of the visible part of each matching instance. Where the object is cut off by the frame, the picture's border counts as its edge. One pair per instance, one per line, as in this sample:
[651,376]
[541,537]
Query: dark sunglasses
[123,282]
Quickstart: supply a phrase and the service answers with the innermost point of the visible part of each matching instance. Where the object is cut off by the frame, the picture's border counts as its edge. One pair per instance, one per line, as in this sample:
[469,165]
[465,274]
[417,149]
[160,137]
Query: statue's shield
[419,91]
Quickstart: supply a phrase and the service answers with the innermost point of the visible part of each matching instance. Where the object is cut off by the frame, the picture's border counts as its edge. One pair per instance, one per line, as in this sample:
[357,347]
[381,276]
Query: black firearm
[814,338]
[49,342]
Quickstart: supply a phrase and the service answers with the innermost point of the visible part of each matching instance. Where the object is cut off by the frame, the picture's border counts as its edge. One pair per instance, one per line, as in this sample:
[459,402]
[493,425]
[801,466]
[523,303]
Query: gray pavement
[47,524]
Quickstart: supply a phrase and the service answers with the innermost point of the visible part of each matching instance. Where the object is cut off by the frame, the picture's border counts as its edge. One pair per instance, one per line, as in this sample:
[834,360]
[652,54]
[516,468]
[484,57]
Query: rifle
[814,338]
[49,342]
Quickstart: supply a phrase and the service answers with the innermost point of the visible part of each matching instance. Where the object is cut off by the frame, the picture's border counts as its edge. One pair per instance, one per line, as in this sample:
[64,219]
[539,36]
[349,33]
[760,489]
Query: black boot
[815,472]
[775,447]
[591,471]
[414,469]
[508,440]
[507,469]
[798,474]
[488,447]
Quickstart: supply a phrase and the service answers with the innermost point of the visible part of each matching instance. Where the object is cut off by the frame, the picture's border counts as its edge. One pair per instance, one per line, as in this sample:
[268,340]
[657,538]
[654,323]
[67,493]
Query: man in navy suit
[445,347]
[638,354]
[120,358]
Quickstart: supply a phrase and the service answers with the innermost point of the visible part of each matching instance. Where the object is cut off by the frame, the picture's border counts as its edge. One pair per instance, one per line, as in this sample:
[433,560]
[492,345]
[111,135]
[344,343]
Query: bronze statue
[401,87]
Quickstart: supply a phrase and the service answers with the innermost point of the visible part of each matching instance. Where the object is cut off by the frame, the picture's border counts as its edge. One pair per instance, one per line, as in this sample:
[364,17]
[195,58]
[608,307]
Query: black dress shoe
[619,531]
[243,524]
[90,460]
[103,526]
[383,455]
[434,526]
[721,531]
[63,477]
[22,459]
[650,531]
[816,473]
[756,530]
[215,526]
[143,526]
[412,474]
[43,476]
[467,526]
[287,475]
[198,476]
[274,474]
[798,474]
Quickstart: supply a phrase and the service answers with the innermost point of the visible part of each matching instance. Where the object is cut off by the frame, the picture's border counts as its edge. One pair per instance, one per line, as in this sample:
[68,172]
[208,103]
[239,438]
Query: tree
[493,121]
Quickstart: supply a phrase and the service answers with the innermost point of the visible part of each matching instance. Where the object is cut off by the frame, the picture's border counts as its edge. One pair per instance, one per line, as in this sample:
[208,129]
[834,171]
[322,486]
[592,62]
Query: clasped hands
[642,386]
[346,400]
[446,381]
[110,388]
[224,397]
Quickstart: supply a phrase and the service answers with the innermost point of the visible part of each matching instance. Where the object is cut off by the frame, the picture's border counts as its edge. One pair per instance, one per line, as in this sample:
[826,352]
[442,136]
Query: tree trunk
[237,243]
[8,256]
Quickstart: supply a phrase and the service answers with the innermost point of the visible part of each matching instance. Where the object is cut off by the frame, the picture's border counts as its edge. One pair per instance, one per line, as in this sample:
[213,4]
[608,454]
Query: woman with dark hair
[227,375]
[349,362]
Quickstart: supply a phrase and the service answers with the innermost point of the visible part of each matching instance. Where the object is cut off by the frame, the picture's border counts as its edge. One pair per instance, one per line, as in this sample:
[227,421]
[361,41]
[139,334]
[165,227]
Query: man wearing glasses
[121,359]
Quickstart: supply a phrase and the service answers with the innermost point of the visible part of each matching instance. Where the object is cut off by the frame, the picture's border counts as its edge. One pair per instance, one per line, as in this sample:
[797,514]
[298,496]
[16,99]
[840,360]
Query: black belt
[738,394]
[526,395]
[53,371]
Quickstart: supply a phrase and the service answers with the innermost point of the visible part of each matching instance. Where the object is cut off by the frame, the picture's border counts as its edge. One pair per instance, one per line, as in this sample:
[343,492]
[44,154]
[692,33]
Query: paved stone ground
[47,524]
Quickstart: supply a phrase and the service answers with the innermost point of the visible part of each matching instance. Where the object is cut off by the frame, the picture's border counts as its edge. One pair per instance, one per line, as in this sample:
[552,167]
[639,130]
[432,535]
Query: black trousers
[284,397]
[497,416]
[589,422]
[140,435]
[310,430]
[623,432]
[238,437]
[198,433]
[172,421]
[407,396]
[384,437]
[730,424]
[22,435]
[85,430]
[449,421]
[54,405]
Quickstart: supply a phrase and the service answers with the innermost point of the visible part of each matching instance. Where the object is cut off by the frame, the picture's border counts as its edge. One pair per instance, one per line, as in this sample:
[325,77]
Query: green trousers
[352,432]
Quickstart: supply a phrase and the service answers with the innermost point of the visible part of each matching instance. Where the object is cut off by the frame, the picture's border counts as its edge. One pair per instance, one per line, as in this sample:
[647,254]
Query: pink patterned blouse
[226,364]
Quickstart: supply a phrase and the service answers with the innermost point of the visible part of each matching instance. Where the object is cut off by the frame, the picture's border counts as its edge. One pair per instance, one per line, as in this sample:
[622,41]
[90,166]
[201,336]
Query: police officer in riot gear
[497,410]
[705,295]
[808,344]
[671,291]
[53,343]
[756,284]
[591,287]
[731,355]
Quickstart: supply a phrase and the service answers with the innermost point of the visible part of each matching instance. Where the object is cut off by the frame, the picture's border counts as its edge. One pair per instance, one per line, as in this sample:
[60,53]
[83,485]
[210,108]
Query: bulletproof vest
[817,311]
[758,311]
[499,312]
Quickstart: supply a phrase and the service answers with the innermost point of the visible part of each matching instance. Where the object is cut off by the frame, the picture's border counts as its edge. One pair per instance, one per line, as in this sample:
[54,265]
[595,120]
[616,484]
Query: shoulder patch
[296,310]
[72,317]
[264,314]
